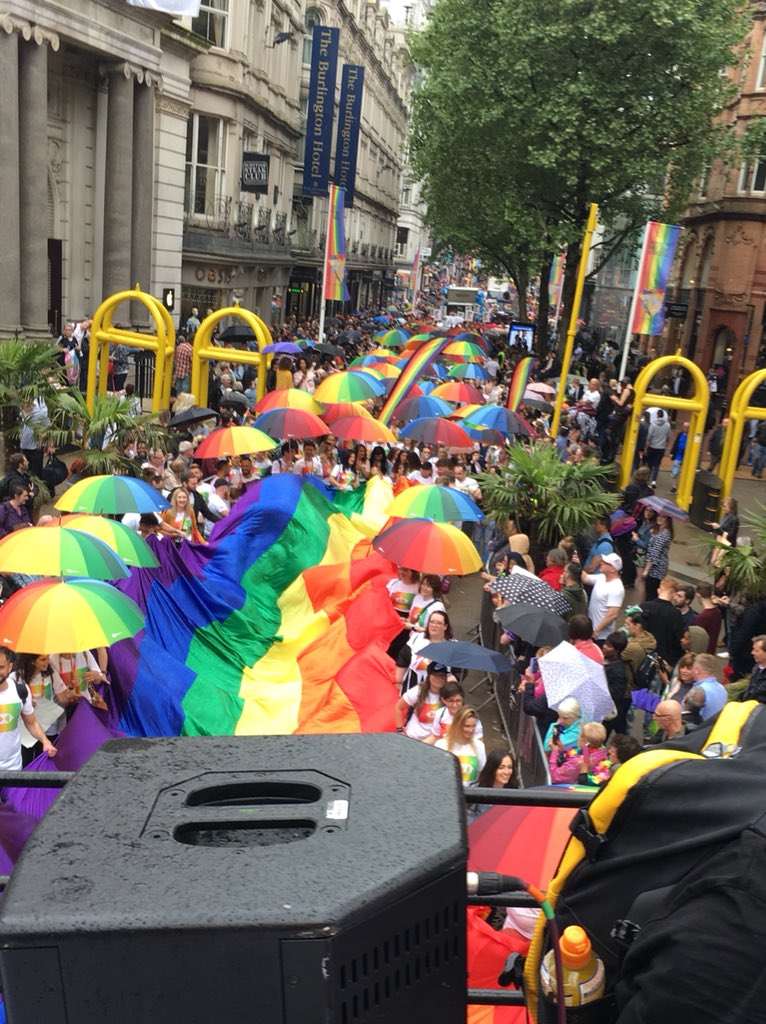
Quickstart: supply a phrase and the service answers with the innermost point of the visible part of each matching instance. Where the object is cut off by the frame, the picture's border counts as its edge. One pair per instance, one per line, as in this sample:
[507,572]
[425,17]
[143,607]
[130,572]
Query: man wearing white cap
[607,595]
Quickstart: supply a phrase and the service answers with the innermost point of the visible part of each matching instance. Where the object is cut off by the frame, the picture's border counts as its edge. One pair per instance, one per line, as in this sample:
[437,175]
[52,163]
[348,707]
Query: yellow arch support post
[740,411]
[206,352]
[162,343]
[696,407]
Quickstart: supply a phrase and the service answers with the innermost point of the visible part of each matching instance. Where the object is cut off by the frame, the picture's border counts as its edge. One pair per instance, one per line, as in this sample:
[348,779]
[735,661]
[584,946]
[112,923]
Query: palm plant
[28,370]
[745,565]
[102,434]
[548,498]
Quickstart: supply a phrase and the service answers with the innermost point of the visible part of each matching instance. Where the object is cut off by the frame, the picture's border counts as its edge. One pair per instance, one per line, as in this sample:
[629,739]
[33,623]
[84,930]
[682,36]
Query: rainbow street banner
[414,368]
[519,382]
[657,255]
[335,251]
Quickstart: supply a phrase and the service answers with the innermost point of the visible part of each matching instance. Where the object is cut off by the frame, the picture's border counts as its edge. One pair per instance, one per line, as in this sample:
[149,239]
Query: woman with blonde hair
[180,516]
[461,741]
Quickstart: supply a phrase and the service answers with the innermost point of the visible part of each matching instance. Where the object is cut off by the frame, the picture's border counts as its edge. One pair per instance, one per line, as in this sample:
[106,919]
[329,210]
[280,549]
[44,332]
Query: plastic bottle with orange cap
[584,974]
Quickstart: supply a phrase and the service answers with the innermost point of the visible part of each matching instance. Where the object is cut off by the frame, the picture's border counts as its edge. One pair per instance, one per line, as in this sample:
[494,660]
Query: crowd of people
[653,635]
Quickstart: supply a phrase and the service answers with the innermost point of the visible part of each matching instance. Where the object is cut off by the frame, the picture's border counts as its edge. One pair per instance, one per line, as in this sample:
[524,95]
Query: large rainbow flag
[414,368]
[657,255]
[281,628]
[335,249]
[556,283]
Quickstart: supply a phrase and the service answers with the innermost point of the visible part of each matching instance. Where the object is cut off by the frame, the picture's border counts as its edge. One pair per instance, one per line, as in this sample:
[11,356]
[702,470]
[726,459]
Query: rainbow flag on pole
[556,283]
[657,255]
[519,382]
[414,271]
[335,250]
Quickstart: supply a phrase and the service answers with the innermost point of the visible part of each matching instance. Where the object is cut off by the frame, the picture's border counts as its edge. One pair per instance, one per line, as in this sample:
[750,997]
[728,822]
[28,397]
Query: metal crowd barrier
[519,728]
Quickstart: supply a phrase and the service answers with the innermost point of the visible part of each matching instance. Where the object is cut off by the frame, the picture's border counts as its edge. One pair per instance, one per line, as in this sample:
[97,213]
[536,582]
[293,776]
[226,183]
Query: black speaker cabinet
[304,880]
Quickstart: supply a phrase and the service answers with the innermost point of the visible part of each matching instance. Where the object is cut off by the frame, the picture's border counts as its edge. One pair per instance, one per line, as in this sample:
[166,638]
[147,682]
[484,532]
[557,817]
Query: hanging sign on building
[255,173]
[324,66]
[349,120]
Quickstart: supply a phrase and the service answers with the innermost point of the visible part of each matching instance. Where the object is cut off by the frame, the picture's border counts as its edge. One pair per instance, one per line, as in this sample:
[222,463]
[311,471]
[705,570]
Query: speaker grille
[401,959]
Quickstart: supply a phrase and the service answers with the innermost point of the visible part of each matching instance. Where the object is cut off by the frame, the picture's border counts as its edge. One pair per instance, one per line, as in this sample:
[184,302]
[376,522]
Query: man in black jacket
[756,688]
[666,624]
[189,480]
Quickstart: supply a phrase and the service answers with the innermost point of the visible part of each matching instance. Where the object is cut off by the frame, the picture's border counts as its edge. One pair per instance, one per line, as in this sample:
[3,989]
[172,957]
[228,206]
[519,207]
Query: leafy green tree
[548,498]
[532,110]
[103,434]
[28,370]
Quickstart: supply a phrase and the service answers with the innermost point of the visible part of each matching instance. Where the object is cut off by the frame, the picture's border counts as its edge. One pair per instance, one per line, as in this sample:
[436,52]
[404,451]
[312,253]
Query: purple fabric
[15,829]
[85,732]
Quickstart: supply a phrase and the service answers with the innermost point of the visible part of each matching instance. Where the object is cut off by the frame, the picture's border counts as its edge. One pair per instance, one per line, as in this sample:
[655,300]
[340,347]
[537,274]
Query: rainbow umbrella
[227,441]
[67,616]
[484,435]
[348,386]
[459,391]
[363,428]
[113,495]
[131,548]
[56,551]
[397,338]
[469,371]
[284,423]
[472,336]
[385,370]
[420,339]
[374,377]
[442,504]
[342,410]
[288,398]
[425,387]
[415,408]
[363,361]
[438,370]
[465,349]
[427,546]
[435,430]
[497,418]
[464,411]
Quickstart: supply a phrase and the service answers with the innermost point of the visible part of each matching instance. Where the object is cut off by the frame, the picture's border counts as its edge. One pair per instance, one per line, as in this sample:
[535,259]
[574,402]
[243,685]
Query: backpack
[760,434]
[662,817]
[647,675]
[23,691]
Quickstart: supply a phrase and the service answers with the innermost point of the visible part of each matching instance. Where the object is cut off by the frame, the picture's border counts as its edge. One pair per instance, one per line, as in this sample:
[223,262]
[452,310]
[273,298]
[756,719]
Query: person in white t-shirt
[607,596]
[13,708]
[461,741]
[81,673]
[424,475]
[309,462]
[425,701]
[452,698]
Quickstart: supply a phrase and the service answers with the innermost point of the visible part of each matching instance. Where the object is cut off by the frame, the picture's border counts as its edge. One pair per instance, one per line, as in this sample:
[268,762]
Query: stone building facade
[123,132]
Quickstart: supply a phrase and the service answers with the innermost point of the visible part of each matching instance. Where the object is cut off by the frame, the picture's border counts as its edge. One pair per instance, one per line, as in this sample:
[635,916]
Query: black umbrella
[196,414]
[537,403]
[462,654]
[350,336]
[328,349]
[237,332]
[333,320]
[234,399]
[536,626]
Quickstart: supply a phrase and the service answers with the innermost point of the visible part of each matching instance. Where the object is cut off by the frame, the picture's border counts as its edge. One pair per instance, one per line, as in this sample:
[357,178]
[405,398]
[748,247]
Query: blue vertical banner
[324,69]
[349,121]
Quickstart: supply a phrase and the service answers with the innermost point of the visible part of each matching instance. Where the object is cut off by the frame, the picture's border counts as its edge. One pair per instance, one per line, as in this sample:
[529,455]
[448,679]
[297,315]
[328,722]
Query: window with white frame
[205,164]
[212,22]
[313,17]
[752,177]
[760,81]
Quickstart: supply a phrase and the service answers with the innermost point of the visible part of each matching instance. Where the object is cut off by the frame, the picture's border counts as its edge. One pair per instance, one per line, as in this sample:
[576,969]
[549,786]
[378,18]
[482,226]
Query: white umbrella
[543,389]
[568,673]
